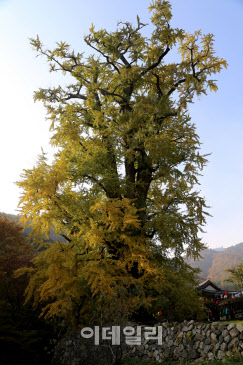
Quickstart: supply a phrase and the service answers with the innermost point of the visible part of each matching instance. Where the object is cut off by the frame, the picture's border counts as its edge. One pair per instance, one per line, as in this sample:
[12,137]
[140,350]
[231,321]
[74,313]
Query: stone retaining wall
[190,341]
[193,341]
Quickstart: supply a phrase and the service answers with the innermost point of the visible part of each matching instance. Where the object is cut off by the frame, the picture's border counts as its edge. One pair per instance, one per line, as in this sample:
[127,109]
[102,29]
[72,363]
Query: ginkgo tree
[122,186]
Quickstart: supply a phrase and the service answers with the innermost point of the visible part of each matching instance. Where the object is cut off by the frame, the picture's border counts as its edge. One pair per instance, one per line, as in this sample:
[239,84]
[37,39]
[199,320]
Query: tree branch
[108,60]
[175,86]
[154,65]
[66,237]
[158,84]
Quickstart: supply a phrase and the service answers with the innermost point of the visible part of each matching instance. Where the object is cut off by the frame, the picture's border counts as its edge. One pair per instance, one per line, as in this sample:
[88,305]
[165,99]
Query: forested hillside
[214,263]
[53,237]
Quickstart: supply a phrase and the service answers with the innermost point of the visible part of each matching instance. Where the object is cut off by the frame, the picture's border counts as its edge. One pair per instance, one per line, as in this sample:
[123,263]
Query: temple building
[220,303]
[211,290]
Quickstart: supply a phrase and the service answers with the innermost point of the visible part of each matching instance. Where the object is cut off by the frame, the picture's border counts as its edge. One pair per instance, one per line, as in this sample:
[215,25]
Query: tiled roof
[207,283]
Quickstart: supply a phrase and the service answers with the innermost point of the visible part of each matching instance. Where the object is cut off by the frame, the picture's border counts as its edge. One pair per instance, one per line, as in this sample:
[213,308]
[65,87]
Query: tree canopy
[23,335]
[236,276]
[15,252]
[122,186]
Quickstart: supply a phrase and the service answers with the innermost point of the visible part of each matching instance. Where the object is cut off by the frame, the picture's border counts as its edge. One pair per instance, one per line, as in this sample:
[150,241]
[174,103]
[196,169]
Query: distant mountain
[237,248]
[213,264]
[219,249]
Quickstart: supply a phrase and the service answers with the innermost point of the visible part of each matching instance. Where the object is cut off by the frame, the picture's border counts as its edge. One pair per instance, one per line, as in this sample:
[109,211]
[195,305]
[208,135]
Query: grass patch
[229,361]
[144,362]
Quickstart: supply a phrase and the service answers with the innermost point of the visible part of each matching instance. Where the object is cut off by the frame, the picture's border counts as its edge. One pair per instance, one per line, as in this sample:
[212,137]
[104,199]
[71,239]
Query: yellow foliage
[122,186]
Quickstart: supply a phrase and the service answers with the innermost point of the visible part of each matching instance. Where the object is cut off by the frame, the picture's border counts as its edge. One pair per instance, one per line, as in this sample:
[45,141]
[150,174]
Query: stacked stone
[192,341]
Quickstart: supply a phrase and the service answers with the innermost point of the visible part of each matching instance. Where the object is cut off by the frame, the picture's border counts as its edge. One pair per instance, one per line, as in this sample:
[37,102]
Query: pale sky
[218,117]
